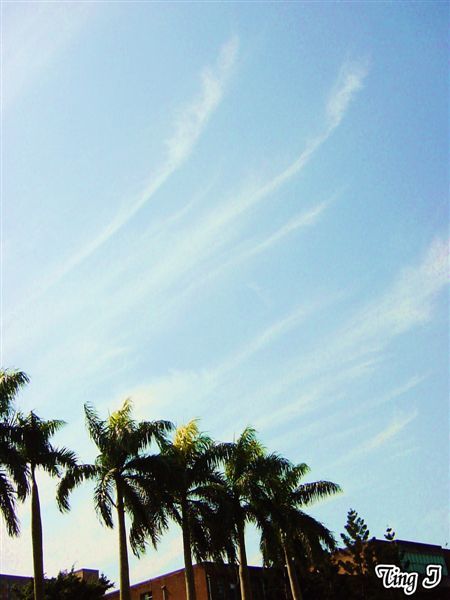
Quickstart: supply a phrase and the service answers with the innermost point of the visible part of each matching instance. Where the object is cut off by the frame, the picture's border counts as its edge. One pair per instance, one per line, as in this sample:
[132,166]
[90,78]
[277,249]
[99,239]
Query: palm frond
[147,432]
[103,499]
[188,439]
[120,420]
[8,505]
[71,480]
[10,384]
[54,459]
[307,493]
[97,428]
[12,460]
[146,521]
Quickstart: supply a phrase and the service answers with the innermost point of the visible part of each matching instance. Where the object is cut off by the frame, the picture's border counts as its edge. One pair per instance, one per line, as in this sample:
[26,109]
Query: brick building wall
[166,587]
[212,582]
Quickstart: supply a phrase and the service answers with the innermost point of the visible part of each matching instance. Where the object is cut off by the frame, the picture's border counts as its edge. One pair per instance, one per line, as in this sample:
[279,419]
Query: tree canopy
[68,586]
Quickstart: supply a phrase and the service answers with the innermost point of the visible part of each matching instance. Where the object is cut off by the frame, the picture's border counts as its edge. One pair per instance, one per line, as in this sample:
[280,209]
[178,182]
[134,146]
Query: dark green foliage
[13,469]
[361,555]
[248,466]
[67,586]
[10,384]
[37,452]
[35,446]
[359,552]
[122,468]
[192,495]
[283,520]
[126,479]
[288,534]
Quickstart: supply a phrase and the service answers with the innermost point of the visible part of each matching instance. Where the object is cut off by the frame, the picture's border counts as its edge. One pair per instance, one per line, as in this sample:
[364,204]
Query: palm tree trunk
[188,570]
[292,574]
[36,538]
[244,575]
[123,551]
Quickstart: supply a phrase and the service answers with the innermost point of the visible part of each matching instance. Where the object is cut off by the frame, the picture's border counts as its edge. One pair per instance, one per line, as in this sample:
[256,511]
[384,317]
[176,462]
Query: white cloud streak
[353,352]
[364,337]
[349,82]
[386,435]
[193,256]
[341,97]
[205,238]
[189,126]
[328,426]
[173,389]
[193,119]
[34,36]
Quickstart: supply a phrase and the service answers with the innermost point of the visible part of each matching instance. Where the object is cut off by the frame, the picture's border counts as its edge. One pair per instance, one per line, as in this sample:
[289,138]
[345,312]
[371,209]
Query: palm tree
[37,452]
[13,470]
[126,478]
[192,495]
[247,467]
[286,529]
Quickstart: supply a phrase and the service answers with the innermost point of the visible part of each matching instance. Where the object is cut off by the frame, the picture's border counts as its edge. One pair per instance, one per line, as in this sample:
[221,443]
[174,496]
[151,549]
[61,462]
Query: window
[413,561]
[220,587]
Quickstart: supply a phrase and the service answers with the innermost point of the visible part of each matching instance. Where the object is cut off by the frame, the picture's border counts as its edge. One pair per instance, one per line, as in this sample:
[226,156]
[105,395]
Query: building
[416,556]
[212,582]
[412,557]
[89,575]
[8,583]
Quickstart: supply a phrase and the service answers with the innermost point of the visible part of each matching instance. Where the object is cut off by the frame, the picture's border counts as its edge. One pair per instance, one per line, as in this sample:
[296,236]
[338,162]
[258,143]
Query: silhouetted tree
[13,469]
[192,490]
[126,479]
[38,453]
[68,586]
[248,467]
[288,532]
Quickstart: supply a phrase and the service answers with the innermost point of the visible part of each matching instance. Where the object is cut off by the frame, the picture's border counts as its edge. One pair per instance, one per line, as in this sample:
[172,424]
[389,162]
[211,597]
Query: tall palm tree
[247,467]
[192,489]
[125,477]
[286,529]
[37,452]
[13,470]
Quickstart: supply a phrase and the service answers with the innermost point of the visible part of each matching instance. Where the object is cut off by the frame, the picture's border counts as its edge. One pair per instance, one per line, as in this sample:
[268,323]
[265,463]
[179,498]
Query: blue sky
[238,212]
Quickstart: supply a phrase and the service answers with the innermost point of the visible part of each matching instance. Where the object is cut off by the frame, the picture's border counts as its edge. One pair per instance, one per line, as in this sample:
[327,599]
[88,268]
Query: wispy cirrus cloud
[189,125]
[406,304]
[171,390]
[353,352]
[327,425]
[349,82]
[387,434]
[193,253]
[34,36]
[364,337]
[193,118]
[249,250]
[199,246]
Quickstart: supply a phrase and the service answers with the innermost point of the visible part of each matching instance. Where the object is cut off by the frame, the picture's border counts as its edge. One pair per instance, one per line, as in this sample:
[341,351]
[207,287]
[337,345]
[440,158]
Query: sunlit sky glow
[238,212]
